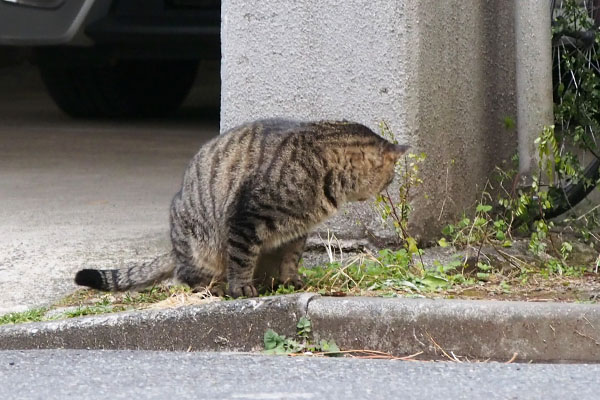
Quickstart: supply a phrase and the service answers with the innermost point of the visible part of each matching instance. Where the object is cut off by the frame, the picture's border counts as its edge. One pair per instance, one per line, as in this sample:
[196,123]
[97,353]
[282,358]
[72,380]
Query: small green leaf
[412,245]
[484,266]
[272,339]
[509,123]
[448,230]
[480,221]
[484,208]
[443,243]
[434,282]
[304,324]
[409,285]
[278,350]
[330,348]
[483,276]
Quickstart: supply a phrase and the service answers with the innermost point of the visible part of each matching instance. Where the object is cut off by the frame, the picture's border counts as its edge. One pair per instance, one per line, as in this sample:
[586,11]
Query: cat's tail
[136,277]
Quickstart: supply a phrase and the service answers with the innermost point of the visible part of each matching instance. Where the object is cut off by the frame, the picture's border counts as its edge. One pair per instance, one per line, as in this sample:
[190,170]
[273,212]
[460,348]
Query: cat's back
[217,172]
[276,159]
[244,148]
[248,148]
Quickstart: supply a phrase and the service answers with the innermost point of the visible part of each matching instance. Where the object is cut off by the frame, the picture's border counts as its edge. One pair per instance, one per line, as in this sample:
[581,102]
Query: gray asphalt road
[162,375]
[82,193]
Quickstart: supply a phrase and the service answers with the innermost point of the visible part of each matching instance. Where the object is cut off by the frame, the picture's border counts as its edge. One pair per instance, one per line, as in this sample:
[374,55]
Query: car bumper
[28,25]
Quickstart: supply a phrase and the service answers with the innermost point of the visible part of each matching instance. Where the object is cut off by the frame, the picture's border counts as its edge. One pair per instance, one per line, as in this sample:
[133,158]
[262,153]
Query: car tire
[120,88]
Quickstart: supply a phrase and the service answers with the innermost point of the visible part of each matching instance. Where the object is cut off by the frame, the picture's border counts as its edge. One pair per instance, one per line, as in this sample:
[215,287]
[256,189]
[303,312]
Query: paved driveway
[82,194]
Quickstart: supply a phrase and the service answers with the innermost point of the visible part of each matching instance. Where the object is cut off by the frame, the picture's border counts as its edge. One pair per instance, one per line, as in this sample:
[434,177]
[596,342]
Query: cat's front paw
[246,290]
[292,280]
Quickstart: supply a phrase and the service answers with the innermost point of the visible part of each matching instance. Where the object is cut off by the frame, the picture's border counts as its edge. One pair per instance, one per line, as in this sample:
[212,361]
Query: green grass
[153,295]
[101,307]
[386,273]
[92,302]
[392,273]
[92,310]
[33,315]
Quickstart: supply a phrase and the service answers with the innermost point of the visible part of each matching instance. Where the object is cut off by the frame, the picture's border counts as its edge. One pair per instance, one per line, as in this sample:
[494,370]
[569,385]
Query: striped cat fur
[260,186]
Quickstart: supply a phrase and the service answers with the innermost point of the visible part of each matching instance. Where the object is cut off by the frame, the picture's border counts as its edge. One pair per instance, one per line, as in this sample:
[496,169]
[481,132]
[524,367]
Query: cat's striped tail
[136,277]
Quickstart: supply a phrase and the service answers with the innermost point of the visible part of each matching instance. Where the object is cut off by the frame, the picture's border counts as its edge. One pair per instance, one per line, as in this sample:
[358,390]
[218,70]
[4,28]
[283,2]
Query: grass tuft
[33,315]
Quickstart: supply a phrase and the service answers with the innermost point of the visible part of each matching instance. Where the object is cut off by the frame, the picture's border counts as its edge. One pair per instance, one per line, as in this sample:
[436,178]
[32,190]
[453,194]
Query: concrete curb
[475,329]
[479,330]
[228,325]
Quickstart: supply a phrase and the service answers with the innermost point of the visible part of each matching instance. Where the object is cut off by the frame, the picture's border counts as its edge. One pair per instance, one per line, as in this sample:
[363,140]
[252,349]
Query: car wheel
[120,88]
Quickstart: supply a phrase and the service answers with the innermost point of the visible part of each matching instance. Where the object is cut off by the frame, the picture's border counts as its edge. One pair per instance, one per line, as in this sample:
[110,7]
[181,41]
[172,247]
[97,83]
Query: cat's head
[374,168]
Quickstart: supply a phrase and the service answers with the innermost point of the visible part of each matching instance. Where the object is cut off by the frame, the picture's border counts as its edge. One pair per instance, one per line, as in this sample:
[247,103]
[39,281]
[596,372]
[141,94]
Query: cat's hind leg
[199,271]
[200,279]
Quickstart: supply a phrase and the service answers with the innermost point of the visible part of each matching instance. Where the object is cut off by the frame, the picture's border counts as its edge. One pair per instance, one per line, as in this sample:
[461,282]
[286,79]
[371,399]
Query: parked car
[115,58]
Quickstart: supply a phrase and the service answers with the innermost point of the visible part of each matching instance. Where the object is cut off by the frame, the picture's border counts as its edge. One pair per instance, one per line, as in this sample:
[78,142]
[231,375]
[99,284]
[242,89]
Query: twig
[364,354]
[394,212]
[479,252]
[455,358]
[439,347]
[588,212]
[378,354]
[402,228]
[587,337]
[417,339]
[513,358]
[446,194]
[508,258]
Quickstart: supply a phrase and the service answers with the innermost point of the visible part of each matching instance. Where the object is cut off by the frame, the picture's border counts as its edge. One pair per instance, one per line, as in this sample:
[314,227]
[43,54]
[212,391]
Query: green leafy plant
[506,209]
[387,272]
[278,344]
[394,209]
[576,42]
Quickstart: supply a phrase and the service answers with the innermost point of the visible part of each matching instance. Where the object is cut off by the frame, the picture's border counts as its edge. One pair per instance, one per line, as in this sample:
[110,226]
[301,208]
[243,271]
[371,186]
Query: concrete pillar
[313,59]
[534,79]
[440,73]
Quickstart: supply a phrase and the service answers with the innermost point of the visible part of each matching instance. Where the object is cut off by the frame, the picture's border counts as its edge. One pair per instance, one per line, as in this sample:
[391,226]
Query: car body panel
[31,26]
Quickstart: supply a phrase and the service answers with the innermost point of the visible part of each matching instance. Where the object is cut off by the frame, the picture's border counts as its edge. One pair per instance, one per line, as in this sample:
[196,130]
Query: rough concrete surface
[477,330]
[465,88]
[79,194]
[534,79]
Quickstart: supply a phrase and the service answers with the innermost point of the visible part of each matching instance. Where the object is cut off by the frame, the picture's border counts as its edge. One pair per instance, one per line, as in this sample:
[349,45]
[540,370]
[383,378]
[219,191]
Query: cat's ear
[395,151]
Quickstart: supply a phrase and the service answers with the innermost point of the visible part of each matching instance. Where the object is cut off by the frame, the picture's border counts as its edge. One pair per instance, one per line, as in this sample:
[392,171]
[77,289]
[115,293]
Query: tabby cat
[261,186]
